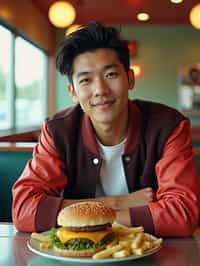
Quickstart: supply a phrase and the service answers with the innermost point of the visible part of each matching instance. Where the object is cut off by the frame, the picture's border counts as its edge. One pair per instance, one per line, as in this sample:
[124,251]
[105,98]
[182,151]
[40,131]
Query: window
[23,82]
[6,38]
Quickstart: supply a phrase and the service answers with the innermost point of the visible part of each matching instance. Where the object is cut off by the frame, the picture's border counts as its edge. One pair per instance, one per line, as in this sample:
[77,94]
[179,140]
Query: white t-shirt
[112,180]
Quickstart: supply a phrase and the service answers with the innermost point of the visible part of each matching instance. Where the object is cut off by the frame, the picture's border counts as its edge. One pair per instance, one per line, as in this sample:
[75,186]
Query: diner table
[174,252]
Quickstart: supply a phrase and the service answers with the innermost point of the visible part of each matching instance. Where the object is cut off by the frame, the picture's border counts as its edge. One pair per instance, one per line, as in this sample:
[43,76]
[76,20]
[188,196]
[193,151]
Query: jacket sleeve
[175,211]
[37,194]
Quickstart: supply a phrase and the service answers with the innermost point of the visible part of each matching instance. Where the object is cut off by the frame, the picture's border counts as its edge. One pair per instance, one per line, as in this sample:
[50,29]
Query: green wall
[162,51]
[63,98]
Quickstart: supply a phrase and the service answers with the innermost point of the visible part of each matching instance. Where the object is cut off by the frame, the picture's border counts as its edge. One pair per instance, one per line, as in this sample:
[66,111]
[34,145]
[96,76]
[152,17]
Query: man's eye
[112,75]
[84,81]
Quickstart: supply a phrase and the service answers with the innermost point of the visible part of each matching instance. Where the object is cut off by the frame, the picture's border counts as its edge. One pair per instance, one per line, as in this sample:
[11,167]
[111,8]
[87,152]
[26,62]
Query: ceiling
[124,11]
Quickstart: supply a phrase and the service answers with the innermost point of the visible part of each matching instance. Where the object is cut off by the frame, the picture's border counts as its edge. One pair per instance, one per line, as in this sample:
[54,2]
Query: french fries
[129,241]
[106,253]
[43,239]
[40,237]
[122,253]
[44,245]
[117,227]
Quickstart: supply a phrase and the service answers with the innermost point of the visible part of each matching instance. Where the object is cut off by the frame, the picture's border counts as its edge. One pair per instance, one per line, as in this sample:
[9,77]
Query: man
[135,156]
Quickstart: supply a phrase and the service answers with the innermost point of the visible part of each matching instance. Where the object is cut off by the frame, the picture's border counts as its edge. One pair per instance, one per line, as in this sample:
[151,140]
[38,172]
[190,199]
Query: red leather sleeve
[176,211]
[37,194]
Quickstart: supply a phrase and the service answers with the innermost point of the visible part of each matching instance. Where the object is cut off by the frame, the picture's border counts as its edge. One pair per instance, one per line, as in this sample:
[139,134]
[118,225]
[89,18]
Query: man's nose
[101,87]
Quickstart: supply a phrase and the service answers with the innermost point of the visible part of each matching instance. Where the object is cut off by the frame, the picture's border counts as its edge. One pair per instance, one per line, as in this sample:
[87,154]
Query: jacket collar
[133,133]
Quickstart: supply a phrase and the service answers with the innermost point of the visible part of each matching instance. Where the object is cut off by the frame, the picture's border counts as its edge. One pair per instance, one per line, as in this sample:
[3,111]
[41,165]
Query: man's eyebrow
[83,73]
[106,67]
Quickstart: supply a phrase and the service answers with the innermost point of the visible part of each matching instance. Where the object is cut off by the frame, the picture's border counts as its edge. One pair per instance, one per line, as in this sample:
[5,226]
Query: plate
[33,245]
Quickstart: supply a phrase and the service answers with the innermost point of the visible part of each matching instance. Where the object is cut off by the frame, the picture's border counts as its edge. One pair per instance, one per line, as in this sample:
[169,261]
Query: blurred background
[164,44]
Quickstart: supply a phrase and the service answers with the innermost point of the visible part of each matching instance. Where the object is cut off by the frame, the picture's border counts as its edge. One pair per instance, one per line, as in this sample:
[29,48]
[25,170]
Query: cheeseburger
[85,228]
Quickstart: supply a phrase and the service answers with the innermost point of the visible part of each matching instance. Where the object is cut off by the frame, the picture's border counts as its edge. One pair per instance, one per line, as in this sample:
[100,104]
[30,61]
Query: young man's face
[101,86]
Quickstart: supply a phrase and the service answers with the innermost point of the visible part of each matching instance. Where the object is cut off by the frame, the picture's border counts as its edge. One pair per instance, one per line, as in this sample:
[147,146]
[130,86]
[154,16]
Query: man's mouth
[103,104]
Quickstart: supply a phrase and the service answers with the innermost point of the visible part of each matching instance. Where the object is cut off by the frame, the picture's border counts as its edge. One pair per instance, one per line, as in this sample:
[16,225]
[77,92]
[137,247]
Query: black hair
[88,38]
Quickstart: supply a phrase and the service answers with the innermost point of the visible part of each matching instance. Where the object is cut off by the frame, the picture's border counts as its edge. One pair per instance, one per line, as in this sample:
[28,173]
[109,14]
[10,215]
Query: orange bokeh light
[136,69]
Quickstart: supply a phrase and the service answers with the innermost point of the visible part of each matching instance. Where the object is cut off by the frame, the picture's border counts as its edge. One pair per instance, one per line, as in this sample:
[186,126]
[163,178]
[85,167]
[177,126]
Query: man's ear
[131,77]
[72,92]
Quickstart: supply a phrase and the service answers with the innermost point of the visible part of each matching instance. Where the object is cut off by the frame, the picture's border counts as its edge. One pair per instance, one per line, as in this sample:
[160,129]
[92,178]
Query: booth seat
[13,157]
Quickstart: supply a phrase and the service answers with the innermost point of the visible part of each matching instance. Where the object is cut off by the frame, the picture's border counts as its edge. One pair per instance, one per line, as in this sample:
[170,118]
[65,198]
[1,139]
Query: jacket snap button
[95,161]
[127,159]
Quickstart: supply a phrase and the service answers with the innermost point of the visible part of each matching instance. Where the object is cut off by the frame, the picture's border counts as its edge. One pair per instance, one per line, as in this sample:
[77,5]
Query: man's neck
[111,134]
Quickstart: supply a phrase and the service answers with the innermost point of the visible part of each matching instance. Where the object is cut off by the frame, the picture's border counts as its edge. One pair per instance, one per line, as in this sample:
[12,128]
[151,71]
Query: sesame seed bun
[87,213]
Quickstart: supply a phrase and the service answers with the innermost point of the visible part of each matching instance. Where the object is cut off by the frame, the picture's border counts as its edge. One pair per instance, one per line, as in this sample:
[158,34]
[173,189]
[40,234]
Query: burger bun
[87,213]
[77,253]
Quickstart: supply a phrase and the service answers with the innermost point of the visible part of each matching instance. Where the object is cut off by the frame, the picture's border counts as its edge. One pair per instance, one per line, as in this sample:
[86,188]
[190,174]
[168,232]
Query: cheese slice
[65,235]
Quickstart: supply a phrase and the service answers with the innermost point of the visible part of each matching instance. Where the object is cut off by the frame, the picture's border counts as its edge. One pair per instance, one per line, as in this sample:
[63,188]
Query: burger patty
[88,241]
[92,228]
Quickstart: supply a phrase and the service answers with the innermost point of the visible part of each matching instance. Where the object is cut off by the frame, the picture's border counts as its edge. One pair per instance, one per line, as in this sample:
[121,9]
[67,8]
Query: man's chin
[103,120]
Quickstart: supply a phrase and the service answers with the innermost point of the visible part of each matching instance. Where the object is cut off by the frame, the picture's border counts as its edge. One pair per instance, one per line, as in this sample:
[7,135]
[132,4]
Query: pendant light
[62,14]
[195,16]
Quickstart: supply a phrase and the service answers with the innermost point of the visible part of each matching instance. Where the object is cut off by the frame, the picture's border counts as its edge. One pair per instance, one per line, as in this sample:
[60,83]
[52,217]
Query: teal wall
[63,98]
[162,51]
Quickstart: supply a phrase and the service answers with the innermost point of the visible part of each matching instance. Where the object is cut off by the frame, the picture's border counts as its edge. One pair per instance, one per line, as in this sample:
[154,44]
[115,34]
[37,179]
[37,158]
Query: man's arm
[37,193]
[176,209]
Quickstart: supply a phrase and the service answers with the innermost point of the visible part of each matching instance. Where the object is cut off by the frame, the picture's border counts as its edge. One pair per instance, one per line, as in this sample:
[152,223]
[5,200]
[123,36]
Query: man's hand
[138,198]
[135,199]
[123,202]
[123,217]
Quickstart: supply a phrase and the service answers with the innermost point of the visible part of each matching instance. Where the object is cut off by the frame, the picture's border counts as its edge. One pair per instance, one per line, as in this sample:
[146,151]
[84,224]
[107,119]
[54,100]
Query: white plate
[33,245]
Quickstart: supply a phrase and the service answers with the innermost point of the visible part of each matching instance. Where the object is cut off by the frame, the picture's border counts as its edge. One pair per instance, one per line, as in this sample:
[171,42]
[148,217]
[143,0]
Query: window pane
[5,78]
[31,85]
